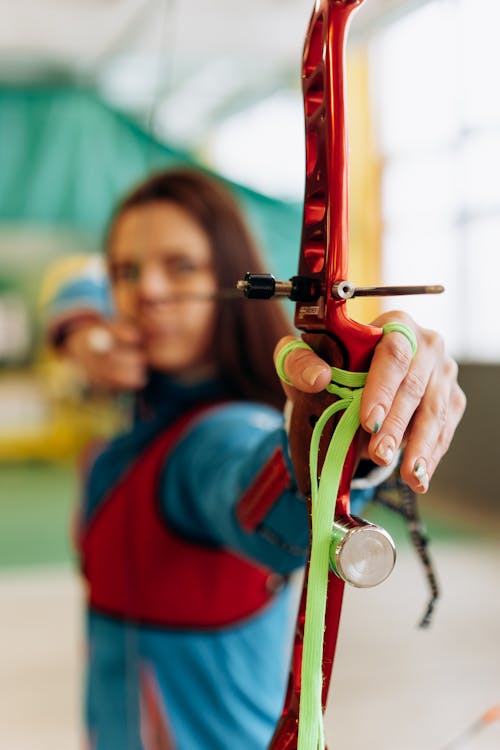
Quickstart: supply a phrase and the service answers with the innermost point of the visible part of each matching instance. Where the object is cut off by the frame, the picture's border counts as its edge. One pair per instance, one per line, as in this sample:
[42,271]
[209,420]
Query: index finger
[390,365]
[125,332]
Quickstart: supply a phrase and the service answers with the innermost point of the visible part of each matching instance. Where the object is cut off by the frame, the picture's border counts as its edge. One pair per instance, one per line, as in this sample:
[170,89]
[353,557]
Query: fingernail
[420,472]
[99,340]
[312,373]
[386,449]
[376,419]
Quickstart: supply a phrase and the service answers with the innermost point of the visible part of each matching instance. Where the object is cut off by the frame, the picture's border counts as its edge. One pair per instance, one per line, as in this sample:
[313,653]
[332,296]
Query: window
[437,109]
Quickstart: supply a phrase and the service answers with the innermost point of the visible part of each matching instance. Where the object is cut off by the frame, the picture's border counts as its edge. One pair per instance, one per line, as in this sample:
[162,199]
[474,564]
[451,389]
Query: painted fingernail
[376,419]
[311,374]
[386,449]
[420,472]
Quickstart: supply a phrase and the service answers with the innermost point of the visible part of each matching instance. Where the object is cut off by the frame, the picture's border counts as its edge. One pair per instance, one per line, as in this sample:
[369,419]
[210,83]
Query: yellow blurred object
[364,170]
[47,416]
[67,268]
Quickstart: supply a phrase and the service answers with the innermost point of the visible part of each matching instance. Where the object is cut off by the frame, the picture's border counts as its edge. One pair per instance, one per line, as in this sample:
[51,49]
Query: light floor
[395,687]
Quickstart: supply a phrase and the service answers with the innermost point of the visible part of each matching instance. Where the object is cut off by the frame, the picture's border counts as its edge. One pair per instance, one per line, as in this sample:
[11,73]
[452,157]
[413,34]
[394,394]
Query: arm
[243,494]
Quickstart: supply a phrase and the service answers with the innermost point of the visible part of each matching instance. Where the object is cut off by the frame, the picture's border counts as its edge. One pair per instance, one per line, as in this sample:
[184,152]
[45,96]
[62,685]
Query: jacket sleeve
[73,289]
[230,482]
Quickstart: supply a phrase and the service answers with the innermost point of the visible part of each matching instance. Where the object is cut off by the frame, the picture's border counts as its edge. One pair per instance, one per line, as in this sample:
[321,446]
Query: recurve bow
[320,290]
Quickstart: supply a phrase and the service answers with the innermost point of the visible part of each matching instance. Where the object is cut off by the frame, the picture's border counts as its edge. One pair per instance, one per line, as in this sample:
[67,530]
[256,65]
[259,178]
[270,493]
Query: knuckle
[450,368]
[385,394]
[459,400]
[438,410]
[444,442]
[398,316]
[399,352]
[395,425]
[427,446]
[442,445]
[433,340]
[283,342]
[414,385]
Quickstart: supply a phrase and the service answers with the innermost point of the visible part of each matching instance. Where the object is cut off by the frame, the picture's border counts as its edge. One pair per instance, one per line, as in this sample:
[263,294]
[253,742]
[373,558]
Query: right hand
[109,354]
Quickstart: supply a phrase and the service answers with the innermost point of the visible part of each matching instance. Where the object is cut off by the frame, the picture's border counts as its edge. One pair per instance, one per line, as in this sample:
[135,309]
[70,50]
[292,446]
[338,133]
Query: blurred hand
[108,353]
[416,403]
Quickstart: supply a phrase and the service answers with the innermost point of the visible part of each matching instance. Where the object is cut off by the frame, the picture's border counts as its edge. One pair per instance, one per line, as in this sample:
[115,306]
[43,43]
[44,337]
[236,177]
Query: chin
[167,365]
[169,362]
[175,360]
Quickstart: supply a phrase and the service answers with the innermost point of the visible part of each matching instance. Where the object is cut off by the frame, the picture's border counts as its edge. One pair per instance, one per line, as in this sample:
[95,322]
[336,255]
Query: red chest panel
[139,569]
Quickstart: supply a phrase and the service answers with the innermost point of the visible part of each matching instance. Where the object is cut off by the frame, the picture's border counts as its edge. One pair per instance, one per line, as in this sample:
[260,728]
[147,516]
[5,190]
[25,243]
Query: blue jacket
[196,688]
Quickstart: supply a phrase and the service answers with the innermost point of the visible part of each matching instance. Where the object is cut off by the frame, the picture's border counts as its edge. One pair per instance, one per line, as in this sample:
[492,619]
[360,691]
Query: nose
[154,285]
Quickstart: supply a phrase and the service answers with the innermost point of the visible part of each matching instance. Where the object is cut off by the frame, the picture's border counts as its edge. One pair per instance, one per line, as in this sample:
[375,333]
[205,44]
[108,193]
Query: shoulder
[243,414]
[255,415]
[233,423]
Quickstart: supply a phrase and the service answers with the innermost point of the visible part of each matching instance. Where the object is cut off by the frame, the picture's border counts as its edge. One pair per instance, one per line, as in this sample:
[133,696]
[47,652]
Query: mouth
[158,328]
[160,332]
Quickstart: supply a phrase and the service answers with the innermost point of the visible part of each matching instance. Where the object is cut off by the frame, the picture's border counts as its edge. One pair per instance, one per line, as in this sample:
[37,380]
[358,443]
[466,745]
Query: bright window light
[480,164]
[263,146]
[438,121]
[481,289]
[416,97]
[479,24]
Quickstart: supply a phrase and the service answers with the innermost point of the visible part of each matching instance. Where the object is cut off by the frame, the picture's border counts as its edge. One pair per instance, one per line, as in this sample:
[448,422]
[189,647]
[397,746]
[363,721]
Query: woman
[192,521]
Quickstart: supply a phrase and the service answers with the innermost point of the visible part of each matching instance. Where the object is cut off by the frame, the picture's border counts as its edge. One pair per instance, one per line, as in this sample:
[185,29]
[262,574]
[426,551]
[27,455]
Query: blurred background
[94,94]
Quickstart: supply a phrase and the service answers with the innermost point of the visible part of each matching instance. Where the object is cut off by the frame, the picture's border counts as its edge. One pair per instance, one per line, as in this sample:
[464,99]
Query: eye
[183,267]
[127,271]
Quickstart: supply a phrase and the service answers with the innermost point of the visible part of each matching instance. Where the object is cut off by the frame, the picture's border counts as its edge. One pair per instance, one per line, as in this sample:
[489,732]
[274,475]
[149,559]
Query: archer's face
[160,260]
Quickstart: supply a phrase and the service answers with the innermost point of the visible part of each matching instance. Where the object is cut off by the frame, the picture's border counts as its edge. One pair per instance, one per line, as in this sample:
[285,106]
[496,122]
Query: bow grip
[338,339]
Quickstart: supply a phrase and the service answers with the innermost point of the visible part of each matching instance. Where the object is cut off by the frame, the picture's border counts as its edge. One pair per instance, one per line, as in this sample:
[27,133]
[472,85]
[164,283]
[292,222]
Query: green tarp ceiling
[66,156]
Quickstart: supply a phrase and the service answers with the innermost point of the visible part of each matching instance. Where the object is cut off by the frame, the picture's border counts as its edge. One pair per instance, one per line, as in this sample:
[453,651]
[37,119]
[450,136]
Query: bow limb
[329,330]
[325,247]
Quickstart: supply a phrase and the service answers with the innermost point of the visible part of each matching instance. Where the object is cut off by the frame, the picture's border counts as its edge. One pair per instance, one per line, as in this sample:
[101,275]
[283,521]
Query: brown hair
[246,331]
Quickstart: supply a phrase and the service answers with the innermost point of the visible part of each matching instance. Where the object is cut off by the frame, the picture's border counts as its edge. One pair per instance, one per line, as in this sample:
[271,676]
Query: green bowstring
[323,496]
[348,386]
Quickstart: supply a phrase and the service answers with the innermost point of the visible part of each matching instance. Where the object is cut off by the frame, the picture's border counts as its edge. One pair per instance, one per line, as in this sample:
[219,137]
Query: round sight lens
[365,556]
